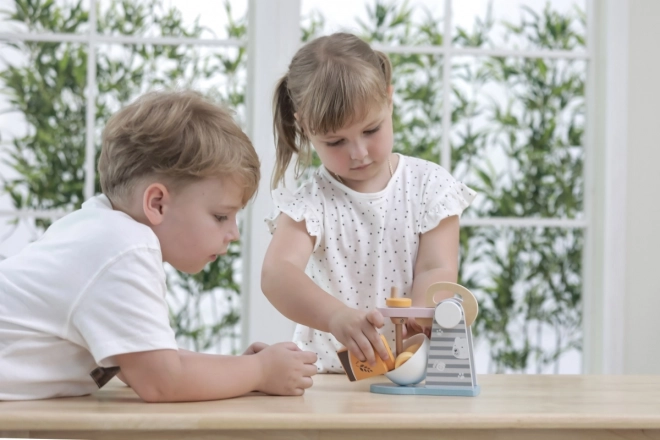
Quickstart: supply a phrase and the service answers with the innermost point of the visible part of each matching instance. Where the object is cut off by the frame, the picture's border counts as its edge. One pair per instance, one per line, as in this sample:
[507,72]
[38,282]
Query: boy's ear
[390,94]
[154,202]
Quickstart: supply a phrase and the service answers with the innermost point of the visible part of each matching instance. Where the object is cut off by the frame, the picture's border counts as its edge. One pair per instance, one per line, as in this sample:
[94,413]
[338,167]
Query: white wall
[642,280]
[274,37]
[622,288]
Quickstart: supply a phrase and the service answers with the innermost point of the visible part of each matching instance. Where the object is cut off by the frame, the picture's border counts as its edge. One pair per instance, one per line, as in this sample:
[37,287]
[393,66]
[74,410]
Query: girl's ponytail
[284,130]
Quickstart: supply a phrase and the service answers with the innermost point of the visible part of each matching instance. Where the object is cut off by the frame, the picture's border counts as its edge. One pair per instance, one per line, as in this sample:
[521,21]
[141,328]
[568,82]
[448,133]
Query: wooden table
[509,407]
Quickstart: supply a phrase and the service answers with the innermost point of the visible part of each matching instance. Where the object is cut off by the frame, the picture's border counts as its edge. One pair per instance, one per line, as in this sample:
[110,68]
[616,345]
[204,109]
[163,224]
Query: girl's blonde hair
[332,81]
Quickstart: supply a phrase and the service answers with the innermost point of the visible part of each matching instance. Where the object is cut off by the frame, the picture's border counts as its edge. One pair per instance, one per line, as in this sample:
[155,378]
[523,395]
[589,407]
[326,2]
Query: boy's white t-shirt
[366,243]
[92,287]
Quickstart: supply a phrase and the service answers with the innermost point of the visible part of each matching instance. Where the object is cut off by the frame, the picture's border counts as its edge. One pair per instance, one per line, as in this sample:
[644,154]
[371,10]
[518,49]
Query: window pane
[172,18]
[126,71]
[383,22]
[528,283]
[43,131]
[520,24]
[418,102]
[518,135]
[59,16]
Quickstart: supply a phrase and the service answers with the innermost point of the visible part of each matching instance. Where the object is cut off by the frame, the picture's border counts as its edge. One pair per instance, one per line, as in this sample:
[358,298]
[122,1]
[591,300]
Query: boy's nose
[234,234]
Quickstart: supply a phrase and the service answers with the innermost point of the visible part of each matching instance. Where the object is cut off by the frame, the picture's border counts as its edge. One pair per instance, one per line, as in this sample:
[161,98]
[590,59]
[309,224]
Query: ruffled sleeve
[443,197]
[304,204]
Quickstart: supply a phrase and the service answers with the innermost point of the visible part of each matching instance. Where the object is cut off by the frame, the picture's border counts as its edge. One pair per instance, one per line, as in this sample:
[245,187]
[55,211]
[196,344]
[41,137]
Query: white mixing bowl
[414,370]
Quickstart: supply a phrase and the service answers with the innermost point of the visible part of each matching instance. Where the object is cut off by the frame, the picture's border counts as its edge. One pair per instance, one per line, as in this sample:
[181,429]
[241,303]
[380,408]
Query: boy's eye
[221,218]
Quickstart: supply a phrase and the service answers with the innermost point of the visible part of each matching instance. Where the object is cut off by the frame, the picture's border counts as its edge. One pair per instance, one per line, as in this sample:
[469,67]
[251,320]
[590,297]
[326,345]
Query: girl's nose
[359,151]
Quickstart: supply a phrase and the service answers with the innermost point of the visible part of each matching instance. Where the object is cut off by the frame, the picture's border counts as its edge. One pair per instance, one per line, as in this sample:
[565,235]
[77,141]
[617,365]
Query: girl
[367,220]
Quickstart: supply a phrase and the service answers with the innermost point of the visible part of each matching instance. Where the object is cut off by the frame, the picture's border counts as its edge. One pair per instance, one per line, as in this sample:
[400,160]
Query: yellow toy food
[413,348]
[402,359]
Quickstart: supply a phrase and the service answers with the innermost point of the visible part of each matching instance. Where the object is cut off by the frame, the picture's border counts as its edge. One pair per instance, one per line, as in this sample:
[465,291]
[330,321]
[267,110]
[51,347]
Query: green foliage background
[517,136]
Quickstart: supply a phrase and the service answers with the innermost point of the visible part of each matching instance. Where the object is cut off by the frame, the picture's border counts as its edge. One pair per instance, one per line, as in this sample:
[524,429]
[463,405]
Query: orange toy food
[356,369]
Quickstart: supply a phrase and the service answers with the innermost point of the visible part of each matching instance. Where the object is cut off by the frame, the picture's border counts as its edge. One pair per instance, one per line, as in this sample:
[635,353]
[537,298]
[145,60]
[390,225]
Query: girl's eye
[221,218]
[335,144]
[373,130]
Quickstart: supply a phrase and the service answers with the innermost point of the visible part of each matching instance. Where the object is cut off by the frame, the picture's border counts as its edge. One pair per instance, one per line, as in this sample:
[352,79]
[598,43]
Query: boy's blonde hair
[180,137]
[332,81]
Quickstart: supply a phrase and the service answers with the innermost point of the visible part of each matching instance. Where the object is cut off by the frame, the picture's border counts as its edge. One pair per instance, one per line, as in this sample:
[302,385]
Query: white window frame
[274,35]
[92,39]
[602,280]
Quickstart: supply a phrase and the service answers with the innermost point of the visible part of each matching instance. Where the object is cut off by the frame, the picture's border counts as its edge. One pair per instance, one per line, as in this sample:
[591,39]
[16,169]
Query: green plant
[517,133]
[48,89]
[517,136]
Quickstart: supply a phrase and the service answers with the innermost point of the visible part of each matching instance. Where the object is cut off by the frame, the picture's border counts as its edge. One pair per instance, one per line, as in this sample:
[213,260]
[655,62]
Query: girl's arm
[285,283]
[296,296]
[437,258]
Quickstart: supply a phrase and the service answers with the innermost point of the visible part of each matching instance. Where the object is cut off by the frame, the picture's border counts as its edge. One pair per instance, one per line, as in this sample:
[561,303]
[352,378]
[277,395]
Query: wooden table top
[506,402]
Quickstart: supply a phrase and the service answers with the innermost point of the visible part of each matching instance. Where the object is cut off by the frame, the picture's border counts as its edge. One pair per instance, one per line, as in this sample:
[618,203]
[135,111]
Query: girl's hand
[255,348]
[412,328]
[356,330]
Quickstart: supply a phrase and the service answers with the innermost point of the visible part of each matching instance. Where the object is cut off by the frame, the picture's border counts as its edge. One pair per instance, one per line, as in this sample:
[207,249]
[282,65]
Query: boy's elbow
[154,392]
[151,396]
[159,383]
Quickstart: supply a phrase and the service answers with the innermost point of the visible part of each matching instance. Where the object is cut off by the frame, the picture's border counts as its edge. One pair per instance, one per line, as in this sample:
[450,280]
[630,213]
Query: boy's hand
[286,369]
[356,330]
[255,348]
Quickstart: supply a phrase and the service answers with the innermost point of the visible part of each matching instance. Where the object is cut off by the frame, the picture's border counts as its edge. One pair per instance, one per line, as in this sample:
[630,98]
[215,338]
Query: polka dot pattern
[367,242]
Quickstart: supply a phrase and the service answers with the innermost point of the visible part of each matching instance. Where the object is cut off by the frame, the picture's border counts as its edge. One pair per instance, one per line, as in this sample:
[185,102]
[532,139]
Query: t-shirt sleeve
[124,308]
[305,204]
[443,197]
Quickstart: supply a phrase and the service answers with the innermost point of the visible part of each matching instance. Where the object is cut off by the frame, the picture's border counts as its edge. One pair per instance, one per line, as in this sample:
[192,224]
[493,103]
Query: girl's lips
[361,167]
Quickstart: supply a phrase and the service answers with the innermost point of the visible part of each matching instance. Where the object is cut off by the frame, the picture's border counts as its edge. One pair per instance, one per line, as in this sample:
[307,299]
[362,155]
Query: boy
[88,299]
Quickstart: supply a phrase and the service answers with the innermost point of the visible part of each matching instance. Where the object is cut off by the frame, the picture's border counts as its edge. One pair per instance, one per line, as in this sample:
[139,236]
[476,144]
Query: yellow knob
[398,302]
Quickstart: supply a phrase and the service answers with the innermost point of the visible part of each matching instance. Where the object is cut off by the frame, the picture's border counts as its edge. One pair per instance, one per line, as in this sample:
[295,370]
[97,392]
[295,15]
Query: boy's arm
[252,349]
[437,258]
[171,376]
[296,296]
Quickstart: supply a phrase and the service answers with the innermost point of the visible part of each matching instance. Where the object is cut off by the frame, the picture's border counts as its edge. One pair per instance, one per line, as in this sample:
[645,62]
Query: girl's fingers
[367,349]
[355,350]
[376,319]
[377,343]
